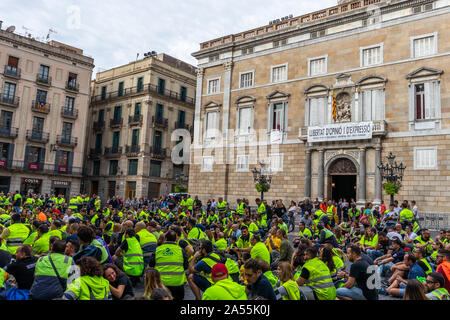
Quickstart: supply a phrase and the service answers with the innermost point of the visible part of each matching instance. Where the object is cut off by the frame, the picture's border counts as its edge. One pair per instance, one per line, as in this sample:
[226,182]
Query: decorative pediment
[424,72]
[212,104]
[343,80]
[277,94]
[371,79]
[245,99]
[317,88]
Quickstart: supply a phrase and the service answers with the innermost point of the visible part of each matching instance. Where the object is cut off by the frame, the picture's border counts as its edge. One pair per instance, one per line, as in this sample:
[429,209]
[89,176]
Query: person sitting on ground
[398,286]
[91,285]
[288,288]
[414,290]
[258,284]
[356,287]
[435,287]
[224,288]
[119,283]
[152,281]
[22,269]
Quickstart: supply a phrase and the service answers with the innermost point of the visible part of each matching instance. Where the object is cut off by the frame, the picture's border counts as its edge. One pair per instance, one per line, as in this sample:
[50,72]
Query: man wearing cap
[224,288]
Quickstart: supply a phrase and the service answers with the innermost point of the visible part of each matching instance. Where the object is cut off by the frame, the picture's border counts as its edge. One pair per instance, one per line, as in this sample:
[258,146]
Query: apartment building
[43,114]
[134,110]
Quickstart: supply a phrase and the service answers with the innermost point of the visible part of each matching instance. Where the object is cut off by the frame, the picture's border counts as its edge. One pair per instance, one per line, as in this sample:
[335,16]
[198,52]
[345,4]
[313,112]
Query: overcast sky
[113,32]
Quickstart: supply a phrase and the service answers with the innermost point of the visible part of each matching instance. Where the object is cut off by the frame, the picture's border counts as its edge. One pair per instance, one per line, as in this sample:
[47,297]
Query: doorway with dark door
[342,179]
[343,187]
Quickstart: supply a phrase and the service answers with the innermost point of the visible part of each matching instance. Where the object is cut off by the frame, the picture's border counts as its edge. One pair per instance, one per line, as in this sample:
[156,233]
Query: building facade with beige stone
[134,110]
[43,115]
[267,95]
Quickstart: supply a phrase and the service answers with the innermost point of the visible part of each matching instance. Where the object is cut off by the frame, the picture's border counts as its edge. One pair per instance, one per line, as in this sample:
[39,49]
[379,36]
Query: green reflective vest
[62,263]
[196,233]
[18,233]
[330,212]
[2,277]
[222,206]
[100,246]
[241,209]
[190,203]
[4,217]
[89,288]
[56,233]
[260,252]
[42,245]
[225,290]
[133,258]
[146,239]
[110,231]
[292,290]
[272,278]
[320,279]
[441,294]
[232,266]
[305,233]
[73,204]
[169,262]
[211,260]
[430,269]
[221,244]
[406,216]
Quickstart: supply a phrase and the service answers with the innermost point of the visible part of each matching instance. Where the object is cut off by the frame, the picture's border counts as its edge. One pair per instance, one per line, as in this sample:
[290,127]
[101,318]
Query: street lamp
[392,172]
[262,177]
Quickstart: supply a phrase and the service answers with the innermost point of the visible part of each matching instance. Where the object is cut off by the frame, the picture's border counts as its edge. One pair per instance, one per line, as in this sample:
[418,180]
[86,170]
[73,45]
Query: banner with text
[341,132]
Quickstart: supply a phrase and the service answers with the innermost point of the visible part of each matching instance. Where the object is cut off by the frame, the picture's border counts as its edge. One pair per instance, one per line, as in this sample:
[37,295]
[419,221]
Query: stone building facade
[134,110]
[43,115]
[267,95]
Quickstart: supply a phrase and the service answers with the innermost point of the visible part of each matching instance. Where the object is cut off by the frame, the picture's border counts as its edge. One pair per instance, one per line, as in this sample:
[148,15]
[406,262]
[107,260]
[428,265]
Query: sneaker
[385,283]
[384,292]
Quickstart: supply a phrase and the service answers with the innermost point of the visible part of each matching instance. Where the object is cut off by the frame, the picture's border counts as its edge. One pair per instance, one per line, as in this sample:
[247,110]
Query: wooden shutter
[13,61]
[70,162]
[58,155]
[10,155]
[41,158]
[27,156]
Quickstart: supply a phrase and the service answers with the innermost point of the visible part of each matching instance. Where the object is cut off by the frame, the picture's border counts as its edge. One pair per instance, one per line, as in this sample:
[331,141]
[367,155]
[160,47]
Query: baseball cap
[219,270]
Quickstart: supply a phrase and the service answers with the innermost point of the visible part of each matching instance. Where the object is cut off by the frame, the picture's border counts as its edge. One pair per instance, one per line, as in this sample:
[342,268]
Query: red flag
[334,107]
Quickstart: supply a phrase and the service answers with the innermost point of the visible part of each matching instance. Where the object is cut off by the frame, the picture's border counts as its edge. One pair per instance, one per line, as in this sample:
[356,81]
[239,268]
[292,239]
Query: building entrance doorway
[343,181]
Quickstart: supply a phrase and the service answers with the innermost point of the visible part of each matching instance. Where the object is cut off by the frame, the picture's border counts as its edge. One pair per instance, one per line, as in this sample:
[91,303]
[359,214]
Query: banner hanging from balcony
[341,132]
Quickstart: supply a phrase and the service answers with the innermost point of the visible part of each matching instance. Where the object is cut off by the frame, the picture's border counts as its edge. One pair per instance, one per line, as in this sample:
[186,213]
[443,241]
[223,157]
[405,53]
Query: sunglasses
[429,281]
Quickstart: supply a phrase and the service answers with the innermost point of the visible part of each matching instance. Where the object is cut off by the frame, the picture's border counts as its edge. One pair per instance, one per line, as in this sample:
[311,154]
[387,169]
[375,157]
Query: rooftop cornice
[45,48]
[310,26]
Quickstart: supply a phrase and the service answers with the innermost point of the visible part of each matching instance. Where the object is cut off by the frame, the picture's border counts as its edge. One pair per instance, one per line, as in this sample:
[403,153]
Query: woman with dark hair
[298,260]
[90,285]
[152,280]
[415,290]
[119,283]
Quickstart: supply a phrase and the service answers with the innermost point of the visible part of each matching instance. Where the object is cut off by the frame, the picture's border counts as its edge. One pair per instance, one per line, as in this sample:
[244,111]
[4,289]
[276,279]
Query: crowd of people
[84,249]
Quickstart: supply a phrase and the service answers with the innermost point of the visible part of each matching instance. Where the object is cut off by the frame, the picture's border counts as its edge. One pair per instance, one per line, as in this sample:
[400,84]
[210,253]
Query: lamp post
[392,172]
[262,176]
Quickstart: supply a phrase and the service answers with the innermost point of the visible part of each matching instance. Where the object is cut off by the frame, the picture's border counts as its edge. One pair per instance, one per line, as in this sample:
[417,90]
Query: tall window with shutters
[424,45]
[318,66]
[244,120]
[246,79]
[211,125]
[318,111]
[425,100]
[425,158]
[372,55]
[373,102]
[242,163]
[278,116]
[279,73]
[213,86]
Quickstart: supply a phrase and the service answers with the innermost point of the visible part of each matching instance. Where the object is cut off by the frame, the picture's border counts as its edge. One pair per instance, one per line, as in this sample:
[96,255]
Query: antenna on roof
[11,29]
[27,33]
[50,31]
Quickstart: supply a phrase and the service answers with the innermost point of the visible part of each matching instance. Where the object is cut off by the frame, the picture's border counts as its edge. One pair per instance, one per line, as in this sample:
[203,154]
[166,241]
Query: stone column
[308,175]
[198,106]
[362,176]
[321,181]
[378,191]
